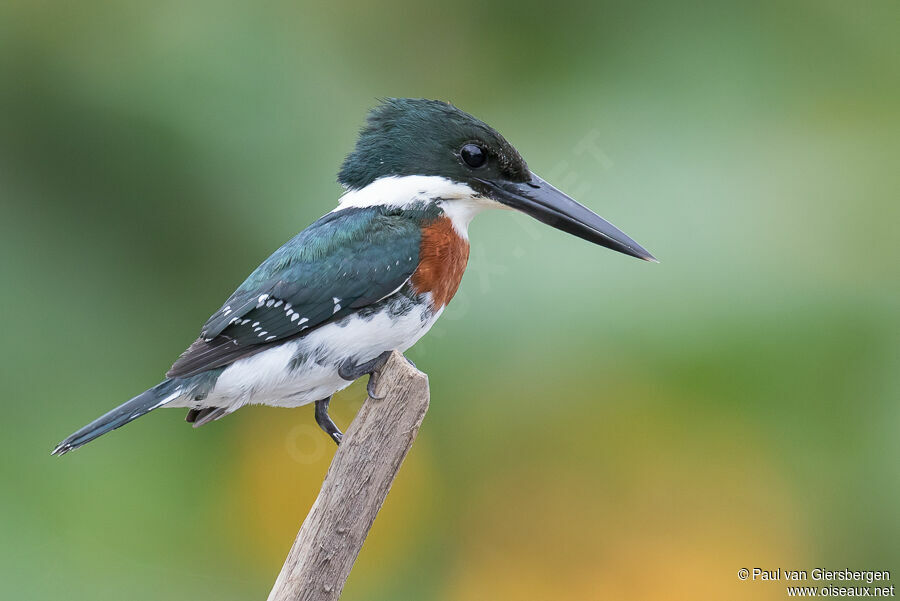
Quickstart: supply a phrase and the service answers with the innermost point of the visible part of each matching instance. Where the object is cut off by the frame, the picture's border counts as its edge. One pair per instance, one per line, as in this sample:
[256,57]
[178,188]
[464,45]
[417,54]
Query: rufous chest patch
[443,256]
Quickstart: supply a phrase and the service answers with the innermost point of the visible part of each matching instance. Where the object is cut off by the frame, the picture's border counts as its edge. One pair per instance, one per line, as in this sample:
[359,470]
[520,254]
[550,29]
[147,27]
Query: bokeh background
[600,428]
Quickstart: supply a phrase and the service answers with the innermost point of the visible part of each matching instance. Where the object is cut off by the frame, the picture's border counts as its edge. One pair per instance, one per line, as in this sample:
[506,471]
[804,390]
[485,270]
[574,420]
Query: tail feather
[201,417]
[142,404]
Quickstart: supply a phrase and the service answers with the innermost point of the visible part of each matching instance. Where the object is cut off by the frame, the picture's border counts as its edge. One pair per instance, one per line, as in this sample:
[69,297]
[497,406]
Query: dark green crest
[414,136]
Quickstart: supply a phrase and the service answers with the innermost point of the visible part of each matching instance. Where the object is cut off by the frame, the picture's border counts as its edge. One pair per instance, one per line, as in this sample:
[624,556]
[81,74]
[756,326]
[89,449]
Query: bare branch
[360,476]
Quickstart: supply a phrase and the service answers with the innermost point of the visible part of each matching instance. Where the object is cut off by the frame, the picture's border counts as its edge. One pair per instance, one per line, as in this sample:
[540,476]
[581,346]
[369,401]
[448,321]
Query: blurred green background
[600,428]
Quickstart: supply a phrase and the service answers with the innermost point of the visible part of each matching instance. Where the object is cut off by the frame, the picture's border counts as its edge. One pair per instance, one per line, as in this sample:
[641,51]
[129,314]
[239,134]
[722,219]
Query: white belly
[305,370]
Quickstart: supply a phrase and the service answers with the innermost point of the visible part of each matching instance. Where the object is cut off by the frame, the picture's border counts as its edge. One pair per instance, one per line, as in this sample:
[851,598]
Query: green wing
[346,260]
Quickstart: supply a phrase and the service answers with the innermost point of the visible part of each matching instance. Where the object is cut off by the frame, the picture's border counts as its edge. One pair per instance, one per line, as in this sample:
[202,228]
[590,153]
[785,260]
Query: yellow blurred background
[600,428]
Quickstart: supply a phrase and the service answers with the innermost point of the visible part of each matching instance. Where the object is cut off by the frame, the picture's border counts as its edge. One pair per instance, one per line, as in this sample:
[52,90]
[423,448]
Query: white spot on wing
[397,289]
[271,377]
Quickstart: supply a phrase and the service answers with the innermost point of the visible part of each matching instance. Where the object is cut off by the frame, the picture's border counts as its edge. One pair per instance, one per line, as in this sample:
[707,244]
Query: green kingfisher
[370,277]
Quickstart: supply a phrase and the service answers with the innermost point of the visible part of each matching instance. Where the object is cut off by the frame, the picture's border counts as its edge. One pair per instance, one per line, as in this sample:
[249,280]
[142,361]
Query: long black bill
[555,208]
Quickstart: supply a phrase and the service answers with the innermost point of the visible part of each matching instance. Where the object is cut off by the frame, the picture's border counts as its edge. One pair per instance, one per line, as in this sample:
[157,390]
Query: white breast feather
[268,377]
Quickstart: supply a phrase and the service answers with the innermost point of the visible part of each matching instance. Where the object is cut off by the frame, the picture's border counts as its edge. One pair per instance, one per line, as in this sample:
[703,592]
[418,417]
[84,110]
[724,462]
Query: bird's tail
[144,403]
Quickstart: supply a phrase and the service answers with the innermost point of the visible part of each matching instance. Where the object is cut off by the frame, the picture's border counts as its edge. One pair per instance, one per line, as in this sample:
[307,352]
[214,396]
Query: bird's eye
[473,155]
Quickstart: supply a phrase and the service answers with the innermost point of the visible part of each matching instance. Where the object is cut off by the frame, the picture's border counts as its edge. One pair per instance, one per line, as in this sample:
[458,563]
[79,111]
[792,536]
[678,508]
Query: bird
[370,277]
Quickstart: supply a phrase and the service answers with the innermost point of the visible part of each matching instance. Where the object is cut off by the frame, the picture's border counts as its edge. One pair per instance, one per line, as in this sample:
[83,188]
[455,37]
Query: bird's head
[427,149]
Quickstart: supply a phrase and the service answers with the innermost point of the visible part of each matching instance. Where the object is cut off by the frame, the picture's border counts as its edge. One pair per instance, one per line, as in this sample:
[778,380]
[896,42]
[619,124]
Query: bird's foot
[326,423]
[351,371]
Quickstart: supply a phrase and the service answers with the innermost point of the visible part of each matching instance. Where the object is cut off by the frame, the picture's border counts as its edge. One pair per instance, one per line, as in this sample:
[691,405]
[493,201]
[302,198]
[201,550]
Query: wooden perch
[358,480]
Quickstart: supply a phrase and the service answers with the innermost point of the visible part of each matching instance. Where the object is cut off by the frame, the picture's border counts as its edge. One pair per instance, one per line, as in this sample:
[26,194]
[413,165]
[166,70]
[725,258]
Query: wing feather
[347,260]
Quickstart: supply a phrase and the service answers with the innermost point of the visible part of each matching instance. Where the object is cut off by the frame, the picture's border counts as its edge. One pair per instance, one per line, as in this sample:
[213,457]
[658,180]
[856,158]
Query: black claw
[352,371]
[370,387]
[325,422]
